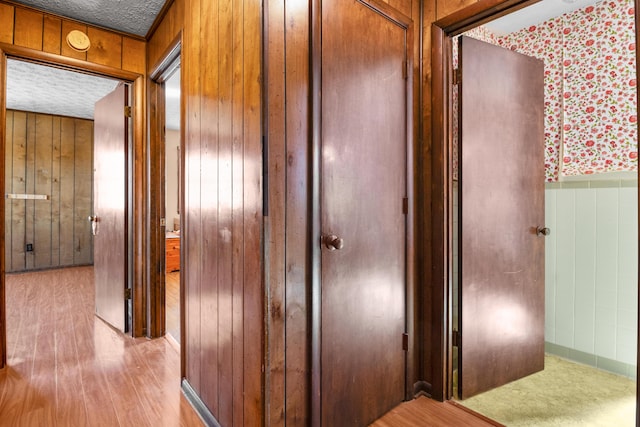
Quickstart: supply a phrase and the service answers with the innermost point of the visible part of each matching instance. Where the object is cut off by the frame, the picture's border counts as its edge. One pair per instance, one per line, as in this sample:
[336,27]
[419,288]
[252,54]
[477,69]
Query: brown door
[502,205]
[363,183]
[109,207]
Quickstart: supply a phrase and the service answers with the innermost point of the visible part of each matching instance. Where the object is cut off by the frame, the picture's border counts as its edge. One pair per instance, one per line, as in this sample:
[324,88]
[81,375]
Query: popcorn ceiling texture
[41,89]
[129,16]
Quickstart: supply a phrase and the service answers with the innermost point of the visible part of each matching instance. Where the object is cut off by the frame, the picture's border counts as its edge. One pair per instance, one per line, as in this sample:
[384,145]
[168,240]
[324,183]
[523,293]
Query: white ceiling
[42,89]
[128,16]
[536,14]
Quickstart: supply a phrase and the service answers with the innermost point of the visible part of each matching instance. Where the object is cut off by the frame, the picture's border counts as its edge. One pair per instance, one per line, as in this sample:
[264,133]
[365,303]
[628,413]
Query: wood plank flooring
[68,368]
[172,307]
[424,412]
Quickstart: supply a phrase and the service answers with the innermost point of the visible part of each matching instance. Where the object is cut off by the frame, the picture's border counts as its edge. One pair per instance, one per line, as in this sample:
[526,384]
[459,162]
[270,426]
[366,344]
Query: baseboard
[603,363]
[421,388]
[201,409]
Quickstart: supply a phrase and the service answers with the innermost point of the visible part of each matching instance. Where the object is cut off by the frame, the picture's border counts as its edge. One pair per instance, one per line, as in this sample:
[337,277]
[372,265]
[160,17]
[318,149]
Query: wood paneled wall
[53,156]
[222,234]
[30,28]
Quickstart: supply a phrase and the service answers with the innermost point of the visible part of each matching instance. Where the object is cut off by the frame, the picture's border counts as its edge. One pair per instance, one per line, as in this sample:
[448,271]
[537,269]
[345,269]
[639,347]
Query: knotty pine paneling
[40,31]
[49,155]
[28,28]
[168,29]
[222,231]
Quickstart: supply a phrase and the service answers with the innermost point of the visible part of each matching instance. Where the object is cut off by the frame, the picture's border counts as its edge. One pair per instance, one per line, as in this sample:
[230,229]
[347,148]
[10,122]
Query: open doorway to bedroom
[591,253]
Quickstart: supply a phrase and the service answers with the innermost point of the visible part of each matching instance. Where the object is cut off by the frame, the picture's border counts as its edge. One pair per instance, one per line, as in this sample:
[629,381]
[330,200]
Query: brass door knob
[543,231]
[333,242]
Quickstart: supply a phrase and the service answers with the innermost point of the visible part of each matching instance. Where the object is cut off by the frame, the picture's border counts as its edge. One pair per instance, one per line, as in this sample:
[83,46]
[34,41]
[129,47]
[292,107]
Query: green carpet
[564,394]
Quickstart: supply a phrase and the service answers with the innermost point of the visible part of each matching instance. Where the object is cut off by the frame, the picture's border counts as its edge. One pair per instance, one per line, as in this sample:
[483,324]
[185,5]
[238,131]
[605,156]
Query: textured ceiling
[129,16]
[41,89]
[536,14]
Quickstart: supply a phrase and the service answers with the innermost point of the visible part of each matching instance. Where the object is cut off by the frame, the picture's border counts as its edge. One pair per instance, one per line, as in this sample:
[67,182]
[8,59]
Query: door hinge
[457,76]
[405,70]
[127,111]
[127,293]
[405,205]
[405,341]
[455,338]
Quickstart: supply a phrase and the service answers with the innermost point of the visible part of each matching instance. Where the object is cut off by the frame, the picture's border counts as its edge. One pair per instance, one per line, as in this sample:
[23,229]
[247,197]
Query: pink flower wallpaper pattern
[590,87]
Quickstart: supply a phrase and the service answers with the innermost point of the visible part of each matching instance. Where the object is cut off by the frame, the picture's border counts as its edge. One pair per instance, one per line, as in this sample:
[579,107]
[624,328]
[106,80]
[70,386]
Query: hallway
[67,367]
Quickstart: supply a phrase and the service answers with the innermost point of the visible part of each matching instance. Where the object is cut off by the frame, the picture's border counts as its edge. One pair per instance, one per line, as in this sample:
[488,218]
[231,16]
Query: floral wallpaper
[590,87]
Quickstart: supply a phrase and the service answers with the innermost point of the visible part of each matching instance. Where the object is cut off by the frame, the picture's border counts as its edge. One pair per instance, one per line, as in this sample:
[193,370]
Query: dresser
[172,252]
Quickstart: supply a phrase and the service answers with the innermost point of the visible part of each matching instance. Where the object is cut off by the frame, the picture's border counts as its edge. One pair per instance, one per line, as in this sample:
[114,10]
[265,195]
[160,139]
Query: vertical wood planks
[6,23]
[8,173]
[30,189]
[83,204]
[40,31]
[67,161]
[275,222]
[211,284]
[18,185]
[52,38]
[133,55]
[28,28]
[222,233]
[55,192]
[43,147]
[106,48]
[193,237]
[41,159]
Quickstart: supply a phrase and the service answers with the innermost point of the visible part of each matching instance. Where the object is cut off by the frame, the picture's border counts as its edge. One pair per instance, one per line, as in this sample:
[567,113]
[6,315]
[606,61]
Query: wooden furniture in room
[172,252]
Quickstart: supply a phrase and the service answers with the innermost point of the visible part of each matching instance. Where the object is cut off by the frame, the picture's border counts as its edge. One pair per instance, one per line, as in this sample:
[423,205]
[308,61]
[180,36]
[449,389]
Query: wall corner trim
[201,409]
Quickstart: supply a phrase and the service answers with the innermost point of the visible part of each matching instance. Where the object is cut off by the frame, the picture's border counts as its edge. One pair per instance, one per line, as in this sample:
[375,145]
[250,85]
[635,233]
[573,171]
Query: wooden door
[109,202]
[502,205]
[363,185]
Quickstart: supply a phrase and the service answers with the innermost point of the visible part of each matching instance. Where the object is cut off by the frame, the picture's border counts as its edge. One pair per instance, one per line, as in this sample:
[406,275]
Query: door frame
[135,172]
[442,32]
[315,250]
[155,268]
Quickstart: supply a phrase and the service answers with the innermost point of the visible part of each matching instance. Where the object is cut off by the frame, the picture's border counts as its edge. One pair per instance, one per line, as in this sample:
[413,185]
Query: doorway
[172,204]
[585,216]
[166,201]
[55,190]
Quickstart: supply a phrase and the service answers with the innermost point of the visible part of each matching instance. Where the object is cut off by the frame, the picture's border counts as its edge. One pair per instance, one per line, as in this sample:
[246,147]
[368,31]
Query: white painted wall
[171,161]
[592,267]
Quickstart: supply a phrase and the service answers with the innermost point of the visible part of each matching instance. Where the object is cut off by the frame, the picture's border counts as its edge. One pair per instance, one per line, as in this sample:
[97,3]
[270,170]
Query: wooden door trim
[136,81]
[442,31]
[315,116]
[3,136]
[155,268]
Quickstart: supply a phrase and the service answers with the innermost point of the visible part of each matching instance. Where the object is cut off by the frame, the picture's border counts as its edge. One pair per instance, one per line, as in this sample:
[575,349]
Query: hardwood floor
[68,368]
[423,412]
[173,305]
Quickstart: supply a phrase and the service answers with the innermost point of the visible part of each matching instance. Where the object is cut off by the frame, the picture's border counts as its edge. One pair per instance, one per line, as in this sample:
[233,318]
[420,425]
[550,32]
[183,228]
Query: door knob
[333,242]
[543,231]
[94,224]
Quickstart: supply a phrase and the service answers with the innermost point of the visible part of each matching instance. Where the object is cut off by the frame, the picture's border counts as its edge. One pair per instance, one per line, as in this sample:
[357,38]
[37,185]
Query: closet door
[363,185]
